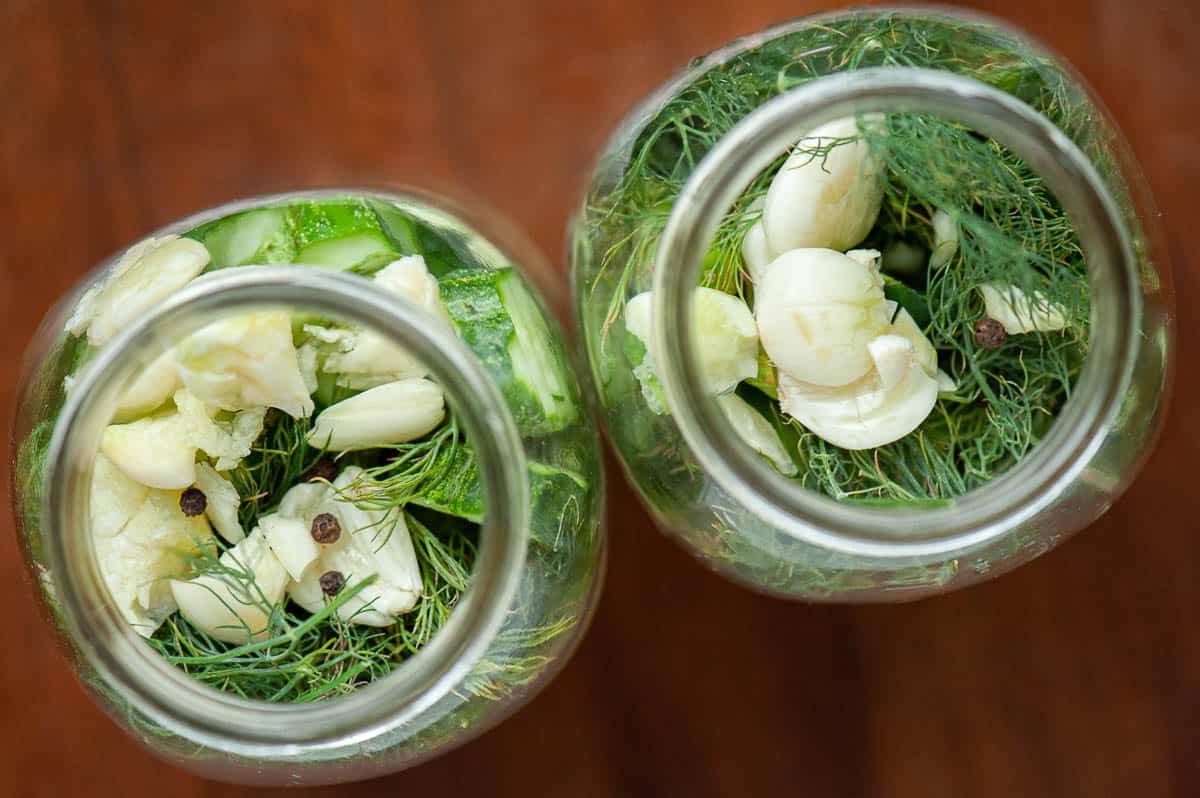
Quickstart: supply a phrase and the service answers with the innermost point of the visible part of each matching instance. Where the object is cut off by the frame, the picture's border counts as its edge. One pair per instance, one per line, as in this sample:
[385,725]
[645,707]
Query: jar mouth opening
[164,693]
[1035,481]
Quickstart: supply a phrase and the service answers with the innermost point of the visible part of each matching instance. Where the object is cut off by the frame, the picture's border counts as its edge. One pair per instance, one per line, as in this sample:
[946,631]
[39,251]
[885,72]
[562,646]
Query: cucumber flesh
[557,498]
[412,236]
[506,327]
[341,234]
[254,237]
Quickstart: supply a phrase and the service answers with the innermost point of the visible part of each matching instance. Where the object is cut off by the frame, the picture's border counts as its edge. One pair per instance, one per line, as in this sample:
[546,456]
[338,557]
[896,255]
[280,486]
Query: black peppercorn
[325,469]
[332,582]
[989,333]
[326,529]
[193,502]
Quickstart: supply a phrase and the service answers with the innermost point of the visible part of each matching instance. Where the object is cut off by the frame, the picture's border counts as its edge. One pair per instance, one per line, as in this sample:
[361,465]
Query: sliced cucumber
[458,491]
[506,327]
[412,236]
[259,237]
[557,498]
[341,234]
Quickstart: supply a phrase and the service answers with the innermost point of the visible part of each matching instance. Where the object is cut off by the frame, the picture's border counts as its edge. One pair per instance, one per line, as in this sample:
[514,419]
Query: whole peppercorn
[193,502]
[325,469]
[989,333]
[326,529]
[332,582]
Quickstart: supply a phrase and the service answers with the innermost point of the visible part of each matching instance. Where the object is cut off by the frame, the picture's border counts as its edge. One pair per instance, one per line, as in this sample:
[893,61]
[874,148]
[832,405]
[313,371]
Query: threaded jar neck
[996,508]
[133,671]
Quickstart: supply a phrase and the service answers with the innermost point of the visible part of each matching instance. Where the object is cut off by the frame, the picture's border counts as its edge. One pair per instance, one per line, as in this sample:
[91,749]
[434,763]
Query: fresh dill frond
[1011,231]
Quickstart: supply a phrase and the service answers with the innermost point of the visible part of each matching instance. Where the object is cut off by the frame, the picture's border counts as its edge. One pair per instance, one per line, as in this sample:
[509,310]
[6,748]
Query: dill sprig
[1011,231]
[278,459]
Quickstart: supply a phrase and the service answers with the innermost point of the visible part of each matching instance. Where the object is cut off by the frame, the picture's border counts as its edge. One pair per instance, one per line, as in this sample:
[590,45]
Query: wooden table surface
[1077,675]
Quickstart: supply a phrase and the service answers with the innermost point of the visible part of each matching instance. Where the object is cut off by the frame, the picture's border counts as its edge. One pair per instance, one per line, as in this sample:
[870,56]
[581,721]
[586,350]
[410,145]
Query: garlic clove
[945,382]
[756,431]
[829,200]
[148,273]
[893,356]
[865,414]
[227,440]
[905,326]
[1018,313]
[150,390]
[291,541]
[301,501]
[409,277]
[371,359]
[372,543]
[245,362]
[115,497]
[235,609]
[397,412]
[817,310]
[945,239]
[726,338]
[141,538]
[867,257]
[157,451]
[222,502]
[756,253]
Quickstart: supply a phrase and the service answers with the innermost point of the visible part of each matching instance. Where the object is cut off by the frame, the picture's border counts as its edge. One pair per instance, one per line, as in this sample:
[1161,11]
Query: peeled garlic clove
[222,502]
[946,383]
[893,356]
[146,275]
[114,497]
[233,609]
[372,543]
[301,501]
[246,362]
[866,414]
[150,390]
[1018,314]
[829,200]
[867,257]
[157,451]
[409,277]
[817,310]
[373,360]
[291,541]
[141,539]
[756,252]
[905,326]
[726,338]
[226,440]
[397,412]
[945,239]
[756,431]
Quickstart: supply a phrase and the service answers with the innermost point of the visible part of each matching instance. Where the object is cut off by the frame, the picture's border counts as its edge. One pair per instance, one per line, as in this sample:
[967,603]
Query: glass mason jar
[648,222]
[540,551]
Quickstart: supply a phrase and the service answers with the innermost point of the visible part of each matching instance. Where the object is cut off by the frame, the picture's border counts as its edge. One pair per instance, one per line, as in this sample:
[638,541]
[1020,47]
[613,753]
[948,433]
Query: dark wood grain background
[1077,675]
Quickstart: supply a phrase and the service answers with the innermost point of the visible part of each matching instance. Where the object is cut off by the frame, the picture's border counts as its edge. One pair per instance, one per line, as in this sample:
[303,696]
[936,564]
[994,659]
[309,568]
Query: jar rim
[163,692]
[982,514]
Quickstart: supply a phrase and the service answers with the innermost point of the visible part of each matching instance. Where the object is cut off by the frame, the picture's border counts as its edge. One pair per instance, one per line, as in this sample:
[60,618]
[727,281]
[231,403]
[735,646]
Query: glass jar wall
[804,497]
[506,533]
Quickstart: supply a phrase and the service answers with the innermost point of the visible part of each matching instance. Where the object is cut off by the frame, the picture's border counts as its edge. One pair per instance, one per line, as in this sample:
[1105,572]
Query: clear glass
[710,491]
[534,584]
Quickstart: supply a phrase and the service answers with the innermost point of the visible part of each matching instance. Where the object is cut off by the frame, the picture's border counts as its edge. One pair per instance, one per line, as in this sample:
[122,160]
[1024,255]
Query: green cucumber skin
[558,498]
[475,300]
[411,236]
[341,234]
[316,222]
[261,236]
